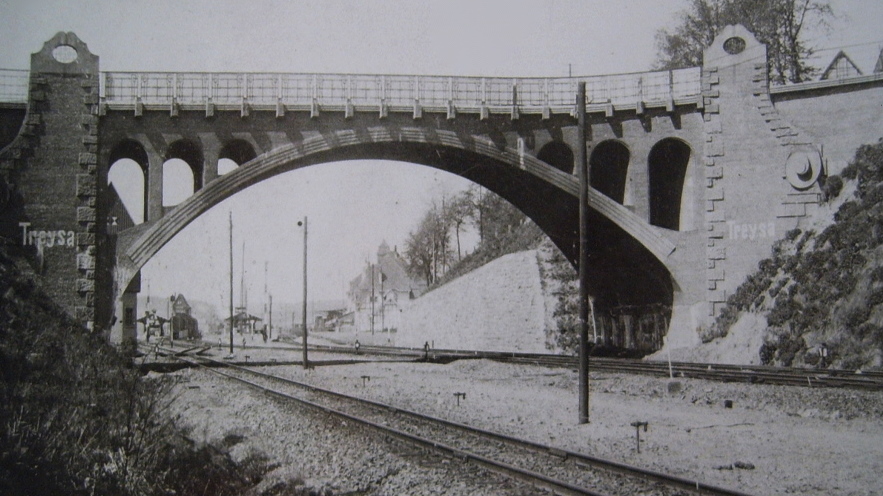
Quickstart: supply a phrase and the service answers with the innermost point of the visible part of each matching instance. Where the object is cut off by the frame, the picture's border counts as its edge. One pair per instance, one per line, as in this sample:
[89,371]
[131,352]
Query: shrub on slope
[824,287]
[77,418]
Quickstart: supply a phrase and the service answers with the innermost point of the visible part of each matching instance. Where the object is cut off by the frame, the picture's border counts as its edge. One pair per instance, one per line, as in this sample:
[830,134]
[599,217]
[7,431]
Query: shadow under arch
[558,155]
[667,166]
[608,169]
[237,150]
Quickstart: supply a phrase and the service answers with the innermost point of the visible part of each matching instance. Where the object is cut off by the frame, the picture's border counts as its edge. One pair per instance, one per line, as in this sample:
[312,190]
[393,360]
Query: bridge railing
[395,92]
[363,92]
[14,86]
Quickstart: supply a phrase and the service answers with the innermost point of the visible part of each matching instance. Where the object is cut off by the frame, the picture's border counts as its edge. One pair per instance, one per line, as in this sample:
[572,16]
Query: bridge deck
[383,93]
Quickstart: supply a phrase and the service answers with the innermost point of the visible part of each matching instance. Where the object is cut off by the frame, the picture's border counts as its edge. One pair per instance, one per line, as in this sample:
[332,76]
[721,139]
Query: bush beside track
[78,418]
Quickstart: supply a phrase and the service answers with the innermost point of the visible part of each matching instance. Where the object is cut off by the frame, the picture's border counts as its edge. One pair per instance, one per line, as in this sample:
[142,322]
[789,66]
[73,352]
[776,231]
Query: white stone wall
[498,307]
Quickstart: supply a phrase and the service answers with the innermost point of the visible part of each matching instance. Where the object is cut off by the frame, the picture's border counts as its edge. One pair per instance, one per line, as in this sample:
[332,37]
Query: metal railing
[396,92]
[14,86]
[363,91]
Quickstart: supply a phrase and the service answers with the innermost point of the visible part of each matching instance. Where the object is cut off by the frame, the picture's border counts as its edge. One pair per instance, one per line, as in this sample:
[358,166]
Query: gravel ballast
[771,440]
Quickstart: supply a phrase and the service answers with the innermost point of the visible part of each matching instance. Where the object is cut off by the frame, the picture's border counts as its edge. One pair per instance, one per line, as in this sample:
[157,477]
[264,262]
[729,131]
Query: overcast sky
[354,206]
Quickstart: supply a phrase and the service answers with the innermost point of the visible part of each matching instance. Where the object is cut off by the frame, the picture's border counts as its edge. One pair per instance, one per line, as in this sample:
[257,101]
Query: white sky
[354,206]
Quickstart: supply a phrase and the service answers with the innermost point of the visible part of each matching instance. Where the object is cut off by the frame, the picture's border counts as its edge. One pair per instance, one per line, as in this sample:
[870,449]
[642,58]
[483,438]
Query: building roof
[243,317]
[180,304]
[390,273]
[118,217]
[841,67]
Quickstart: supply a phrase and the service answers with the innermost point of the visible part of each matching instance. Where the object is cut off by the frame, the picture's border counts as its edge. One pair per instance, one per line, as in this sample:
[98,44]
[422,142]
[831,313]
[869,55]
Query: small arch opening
[667,164]
[128,175]
[178,182]
[128,180]
[233,154]
[191,153]
[608,166]
[558,155]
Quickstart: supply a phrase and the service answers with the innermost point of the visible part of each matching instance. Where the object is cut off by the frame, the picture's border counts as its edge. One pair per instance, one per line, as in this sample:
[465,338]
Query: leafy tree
[777,23]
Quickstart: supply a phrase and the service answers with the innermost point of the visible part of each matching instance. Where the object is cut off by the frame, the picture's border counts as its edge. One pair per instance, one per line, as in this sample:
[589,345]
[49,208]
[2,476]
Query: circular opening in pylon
[734,45]
[64,54]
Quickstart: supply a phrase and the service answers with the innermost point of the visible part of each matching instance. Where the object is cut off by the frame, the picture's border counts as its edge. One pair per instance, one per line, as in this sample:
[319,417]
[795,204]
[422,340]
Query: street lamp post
[304,319]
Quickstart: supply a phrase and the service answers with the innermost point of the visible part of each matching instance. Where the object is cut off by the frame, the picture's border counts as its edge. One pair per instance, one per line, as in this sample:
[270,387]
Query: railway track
[759,374]
[557,471]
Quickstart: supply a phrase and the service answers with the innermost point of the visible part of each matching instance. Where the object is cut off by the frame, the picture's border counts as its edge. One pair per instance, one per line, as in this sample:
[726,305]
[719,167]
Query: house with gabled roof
[377,296]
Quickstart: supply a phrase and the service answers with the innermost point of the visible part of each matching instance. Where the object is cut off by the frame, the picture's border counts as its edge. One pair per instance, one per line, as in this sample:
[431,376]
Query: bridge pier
[154,183]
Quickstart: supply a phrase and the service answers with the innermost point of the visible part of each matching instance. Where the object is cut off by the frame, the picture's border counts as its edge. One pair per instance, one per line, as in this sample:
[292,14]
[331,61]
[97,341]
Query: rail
[417,434]
[355,92]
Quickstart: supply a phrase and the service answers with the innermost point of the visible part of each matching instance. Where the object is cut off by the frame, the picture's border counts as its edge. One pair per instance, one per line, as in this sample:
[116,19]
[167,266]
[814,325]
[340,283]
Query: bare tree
[428,249]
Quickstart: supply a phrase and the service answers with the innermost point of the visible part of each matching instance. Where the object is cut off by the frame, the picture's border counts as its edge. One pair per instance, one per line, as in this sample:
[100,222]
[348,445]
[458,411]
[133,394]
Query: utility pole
[231,282]
[382,303]
[304,318]
[372,298]
[583,257]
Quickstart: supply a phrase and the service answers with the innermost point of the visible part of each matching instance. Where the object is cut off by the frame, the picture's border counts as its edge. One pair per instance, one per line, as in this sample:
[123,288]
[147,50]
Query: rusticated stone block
[88,158]
[85,313]
[86,185]
[714,194]
[85,214]
[85,285]
[85,261]
[85,239]
[714,150]
[717,253]
[718,295]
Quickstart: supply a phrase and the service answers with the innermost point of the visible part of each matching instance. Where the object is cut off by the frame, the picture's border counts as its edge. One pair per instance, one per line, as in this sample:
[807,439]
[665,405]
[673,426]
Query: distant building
[841,67]
[184,326]
[378,295]
[243,322]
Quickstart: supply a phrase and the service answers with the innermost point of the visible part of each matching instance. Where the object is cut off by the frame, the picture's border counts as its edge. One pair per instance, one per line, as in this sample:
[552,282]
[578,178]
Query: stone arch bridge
[694,173]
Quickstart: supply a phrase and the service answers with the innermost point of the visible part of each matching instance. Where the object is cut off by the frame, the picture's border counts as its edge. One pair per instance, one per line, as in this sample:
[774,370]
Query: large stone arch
[547,195]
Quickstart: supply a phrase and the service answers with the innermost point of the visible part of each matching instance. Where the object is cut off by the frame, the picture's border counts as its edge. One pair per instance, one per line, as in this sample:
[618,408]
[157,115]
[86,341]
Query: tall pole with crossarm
[583,257]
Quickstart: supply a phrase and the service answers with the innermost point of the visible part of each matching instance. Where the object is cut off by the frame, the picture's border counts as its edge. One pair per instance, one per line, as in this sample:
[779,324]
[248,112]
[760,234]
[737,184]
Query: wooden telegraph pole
[304,318]
[231,282]
[582,163]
